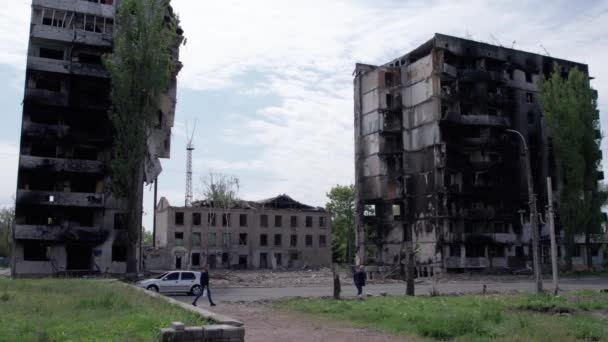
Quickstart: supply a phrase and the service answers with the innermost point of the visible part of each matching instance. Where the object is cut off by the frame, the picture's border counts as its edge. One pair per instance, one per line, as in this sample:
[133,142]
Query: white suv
[175,281]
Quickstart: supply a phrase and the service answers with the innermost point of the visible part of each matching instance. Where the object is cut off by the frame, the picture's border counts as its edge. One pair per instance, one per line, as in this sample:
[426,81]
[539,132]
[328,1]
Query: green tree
[342,206]
[147,238]
[141,68]
[7,219]
[570,105]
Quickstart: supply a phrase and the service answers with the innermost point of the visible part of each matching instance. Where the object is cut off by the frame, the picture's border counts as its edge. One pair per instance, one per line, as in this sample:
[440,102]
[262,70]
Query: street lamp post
[533,214]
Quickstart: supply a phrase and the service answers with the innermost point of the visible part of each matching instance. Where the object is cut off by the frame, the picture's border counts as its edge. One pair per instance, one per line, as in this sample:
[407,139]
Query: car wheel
[153,288]
[196,289]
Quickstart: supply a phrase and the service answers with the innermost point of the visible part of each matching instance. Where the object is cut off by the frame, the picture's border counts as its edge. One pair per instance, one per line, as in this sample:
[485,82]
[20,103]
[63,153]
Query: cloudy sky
[270,81]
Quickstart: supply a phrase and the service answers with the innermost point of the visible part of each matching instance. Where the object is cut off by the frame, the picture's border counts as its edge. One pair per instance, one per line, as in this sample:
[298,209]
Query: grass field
[82,310]
[574,316]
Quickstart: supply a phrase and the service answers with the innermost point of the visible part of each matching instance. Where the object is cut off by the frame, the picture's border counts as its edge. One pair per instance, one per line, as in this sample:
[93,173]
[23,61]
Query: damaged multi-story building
[67,219]
[432,157]
[278,232]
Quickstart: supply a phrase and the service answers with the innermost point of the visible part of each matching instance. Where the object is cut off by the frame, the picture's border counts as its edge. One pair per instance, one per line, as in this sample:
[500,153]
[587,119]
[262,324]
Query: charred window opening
[44,150]
[510,74]
[389,80]
[308,221]
[263,240]
[322,241]
[528,77]
[83,184]
[264,221]
[120,221]
[51,17]
[226,239]
[211,219]
[278,221]
[211,239]
[497,251]
[35,251]
[293,240]
[196,239]
[321,221]
[475,251]
[308,240]
[225,220]
[243,239]
[119,253]
[196,219]
[159,119]
[455,250]
[85,153]
[179,218]
[577,252]
[89,58]
[243,220]
[529,98]
[369,210]
[179,238]
[294,221]
[466,109]
[278,240]
[48,83]
[51,53]
[196,259]
[389,100]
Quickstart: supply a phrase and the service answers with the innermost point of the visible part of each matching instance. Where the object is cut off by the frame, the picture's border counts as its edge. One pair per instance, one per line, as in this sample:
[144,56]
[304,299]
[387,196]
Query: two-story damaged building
[275,233]
[432,157]
[67,219]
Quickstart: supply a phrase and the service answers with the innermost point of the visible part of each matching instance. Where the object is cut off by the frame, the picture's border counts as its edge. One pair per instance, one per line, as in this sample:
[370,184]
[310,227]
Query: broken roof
[282,201]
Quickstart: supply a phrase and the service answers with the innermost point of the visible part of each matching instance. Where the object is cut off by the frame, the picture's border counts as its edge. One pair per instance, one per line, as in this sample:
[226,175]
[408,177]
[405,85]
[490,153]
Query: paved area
[235,294]
[263,323]
[5,272]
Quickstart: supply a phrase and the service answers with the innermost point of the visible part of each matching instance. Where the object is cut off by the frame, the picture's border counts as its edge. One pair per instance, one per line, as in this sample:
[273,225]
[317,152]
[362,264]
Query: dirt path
[264,324]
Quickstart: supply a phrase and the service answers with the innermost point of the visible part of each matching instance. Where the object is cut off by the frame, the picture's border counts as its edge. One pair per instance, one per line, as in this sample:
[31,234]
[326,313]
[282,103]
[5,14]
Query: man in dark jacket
[204,285]
[359,279]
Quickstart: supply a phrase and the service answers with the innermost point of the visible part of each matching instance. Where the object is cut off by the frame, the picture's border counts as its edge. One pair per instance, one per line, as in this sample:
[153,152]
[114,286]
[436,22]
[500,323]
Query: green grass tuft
[83,310]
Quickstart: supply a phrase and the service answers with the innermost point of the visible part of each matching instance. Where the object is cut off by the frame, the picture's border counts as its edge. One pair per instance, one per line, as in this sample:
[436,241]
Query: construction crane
[189,149]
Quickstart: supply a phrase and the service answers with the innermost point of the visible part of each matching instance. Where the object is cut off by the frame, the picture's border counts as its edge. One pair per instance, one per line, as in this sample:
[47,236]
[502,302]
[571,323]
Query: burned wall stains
[429,139]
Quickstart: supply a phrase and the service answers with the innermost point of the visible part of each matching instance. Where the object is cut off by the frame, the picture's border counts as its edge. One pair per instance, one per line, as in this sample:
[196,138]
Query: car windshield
[161,276]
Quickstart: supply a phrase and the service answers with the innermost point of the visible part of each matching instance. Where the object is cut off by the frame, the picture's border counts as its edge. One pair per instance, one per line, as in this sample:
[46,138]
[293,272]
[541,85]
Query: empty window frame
[196,239]
[35,251]
[179,238]
[211,219]
[50,53]
[322,241]
[528,77]
[278,221]
[322,221]
[308,221]
[278,239]
[225,220]
[263,240]
[120,221]
[243,239]
[212,240]
[455,250]
[369,210]
[196,259]
[294,221]
[243,220]
[226,239]
[308,240]
[294,240]
[264,221]
[196,219]
[55,18]
[529,98]
[179,218]
[119,253]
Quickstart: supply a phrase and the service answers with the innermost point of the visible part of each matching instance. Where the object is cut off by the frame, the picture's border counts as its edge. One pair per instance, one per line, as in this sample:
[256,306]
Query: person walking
[204,285]
[359,279]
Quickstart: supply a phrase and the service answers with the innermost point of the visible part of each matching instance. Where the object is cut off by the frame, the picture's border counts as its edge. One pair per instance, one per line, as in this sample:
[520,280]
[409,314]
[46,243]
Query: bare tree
[219,191]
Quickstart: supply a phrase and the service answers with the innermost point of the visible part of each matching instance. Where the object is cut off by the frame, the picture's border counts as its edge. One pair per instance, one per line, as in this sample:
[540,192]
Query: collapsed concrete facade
[431,157]
[67,219]
[275,233]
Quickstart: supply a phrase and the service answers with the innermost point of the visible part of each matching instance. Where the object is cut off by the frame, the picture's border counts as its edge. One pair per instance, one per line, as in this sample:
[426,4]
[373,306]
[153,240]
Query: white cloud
[9,153]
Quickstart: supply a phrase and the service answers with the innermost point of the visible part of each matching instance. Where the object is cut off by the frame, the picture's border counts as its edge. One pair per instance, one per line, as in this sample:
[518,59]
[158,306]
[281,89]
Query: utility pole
[533,215]
[552,233]
[154,213]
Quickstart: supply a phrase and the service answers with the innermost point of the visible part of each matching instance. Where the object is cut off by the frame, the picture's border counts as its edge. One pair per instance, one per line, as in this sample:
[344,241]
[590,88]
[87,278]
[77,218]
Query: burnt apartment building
[432,157]
[67,219]
[274,233]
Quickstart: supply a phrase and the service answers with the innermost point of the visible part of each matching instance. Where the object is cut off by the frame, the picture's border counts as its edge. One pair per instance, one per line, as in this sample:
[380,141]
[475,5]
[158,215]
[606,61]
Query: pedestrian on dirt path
[204,286]
[359,279]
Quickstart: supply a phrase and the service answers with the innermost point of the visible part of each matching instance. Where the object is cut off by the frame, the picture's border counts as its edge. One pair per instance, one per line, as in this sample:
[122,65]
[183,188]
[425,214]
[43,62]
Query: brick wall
[209,333]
